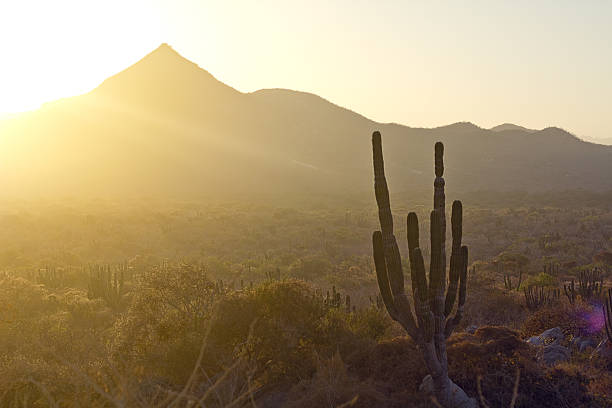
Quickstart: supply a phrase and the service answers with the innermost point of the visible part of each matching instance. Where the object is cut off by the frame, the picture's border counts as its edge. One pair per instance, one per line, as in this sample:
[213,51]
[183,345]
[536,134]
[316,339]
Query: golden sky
[430,63]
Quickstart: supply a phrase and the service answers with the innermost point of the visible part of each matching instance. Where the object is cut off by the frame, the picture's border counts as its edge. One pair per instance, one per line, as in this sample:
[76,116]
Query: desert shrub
[542,279]
[311,267]
[165,325]
[52,344]
[278,327]
[492,306]
[600,385]
[395,368]
[282,326]
[495,353]
[275,326]
[572,319]
[21,299]
[369,323]
[331,386]
[38,323]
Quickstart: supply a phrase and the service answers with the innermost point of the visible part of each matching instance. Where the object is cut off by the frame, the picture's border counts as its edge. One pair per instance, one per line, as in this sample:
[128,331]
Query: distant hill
[511,126]
[165,127]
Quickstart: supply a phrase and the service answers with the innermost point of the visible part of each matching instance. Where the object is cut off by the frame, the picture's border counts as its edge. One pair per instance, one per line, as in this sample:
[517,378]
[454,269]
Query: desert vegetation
[250,304]
[179,230]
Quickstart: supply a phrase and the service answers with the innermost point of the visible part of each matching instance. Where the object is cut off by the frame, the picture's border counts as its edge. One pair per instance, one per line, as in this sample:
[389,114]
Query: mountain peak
[461,127]
[164,58]
[164,75]
[164,46]
[165,51]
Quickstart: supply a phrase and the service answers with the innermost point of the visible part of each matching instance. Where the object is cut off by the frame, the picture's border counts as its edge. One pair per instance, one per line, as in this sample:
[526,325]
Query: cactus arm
[381,274]
[380,186]
[421,301]
[452,323]
[456,264]
[412,232]
[392,257]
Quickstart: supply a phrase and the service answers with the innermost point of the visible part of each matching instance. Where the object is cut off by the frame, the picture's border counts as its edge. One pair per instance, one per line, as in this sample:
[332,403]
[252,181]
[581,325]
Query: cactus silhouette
[508,281]
[107,285]
[434,322]
[590,285]
[537,297]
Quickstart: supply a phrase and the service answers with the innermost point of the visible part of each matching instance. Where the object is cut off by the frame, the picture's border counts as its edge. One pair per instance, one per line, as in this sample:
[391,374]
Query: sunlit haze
[297,204]
[536,64]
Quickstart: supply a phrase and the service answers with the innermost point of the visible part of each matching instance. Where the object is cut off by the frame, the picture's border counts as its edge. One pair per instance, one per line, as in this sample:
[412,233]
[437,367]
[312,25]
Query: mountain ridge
[166,126]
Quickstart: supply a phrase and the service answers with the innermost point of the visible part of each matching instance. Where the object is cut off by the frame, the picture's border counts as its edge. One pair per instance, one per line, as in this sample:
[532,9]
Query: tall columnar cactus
[590,285]
[508,281]
[570,291]
[537,297]
[551,269]
[51,277]
[106,285]
[434,321]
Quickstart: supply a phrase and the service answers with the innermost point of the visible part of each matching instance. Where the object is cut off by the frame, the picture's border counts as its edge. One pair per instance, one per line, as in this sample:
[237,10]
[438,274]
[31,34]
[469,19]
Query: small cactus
[107,285]
[590,286]
[538,296]
[508,281]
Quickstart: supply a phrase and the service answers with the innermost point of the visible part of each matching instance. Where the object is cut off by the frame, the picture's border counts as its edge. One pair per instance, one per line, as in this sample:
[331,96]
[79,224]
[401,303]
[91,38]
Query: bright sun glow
[417,63]
[59,49]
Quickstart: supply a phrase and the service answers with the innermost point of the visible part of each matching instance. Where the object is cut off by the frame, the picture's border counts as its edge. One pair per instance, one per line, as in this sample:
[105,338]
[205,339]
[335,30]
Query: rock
[552,336]
[459,398]
[535,341]
[553,353]
[584,343]
[471,329]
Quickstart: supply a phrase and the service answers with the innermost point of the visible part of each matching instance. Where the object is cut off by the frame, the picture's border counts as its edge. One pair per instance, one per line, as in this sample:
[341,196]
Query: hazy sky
[534,63]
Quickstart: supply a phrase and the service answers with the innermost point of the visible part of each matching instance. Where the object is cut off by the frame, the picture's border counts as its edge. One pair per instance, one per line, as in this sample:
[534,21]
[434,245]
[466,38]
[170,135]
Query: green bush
[542,279]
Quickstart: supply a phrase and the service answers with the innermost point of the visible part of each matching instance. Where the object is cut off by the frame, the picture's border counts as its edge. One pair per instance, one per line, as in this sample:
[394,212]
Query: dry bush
[495,353]
[395,368]
[572,319]
[331,386]
[600,385]
[285,323]
[493,306]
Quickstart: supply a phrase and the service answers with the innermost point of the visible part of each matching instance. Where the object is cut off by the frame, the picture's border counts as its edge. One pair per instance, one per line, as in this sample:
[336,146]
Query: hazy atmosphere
[319,204]
[422,64]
